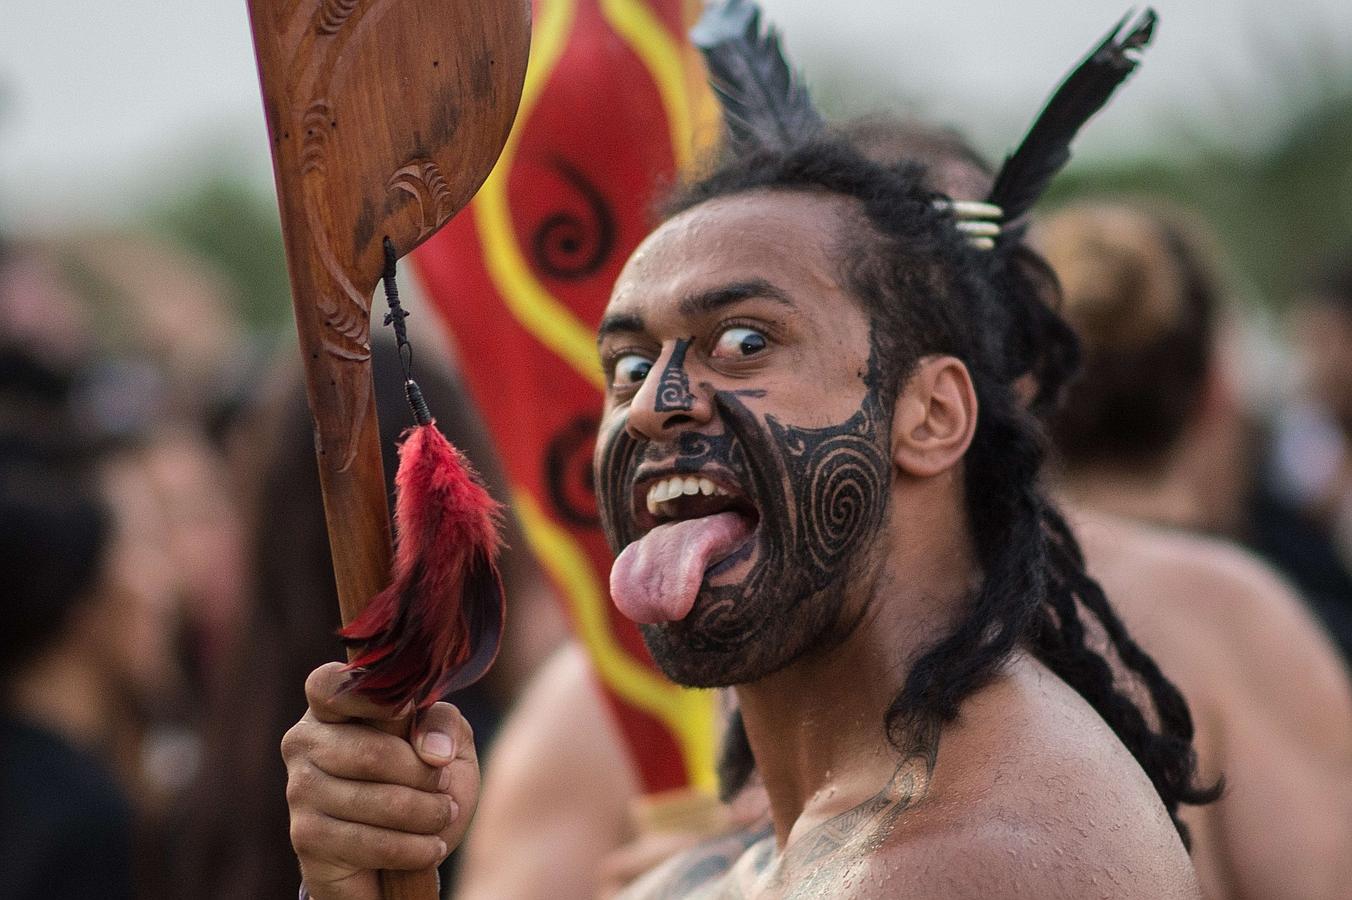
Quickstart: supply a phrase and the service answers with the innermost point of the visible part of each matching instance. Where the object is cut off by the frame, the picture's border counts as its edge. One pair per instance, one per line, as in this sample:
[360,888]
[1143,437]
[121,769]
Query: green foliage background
[1278,212]
[237,228]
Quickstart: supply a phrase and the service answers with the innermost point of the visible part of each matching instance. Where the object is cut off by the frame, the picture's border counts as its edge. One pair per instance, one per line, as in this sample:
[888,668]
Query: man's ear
[934,418]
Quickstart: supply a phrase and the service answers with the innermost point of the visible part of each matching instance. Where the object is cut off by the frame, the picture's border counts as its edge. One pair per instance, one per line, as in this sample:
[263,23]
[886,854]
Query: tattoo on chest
[817,864]
[699,873]
[820,863]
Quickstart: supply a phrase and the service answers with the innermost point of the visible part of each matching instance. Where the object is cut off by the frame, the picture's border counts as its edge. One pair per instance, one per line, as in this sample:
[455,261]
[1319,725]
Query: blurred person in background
[160,351]
[1154,430]
[175,354]
[1268,691]
[40,311]
[1303,516]
[199,494]
[89,598]
[122,344]
[65,820]
[234,827]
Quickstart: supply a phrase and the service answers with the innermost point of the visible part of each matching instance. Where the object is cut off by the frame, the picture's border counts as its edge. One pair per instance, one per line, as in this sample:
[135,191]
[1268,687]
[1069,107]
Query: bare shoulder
[1016,860]
[556,793]
[560,725]
[1031,796]
[1221,582]
[1034,796]
[1270,697]
[1222,623]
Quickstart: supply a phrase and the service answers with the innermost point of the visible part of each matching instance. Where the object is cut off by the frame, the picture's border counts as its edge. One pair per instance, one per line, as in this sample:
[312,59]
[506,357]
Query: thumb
[442,734]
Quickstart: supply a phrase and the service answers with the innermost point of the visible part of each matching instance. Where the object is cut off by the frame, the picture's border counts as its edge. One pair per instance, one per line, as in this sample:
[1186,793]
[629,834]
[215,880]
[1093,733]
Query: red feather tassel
[437,627]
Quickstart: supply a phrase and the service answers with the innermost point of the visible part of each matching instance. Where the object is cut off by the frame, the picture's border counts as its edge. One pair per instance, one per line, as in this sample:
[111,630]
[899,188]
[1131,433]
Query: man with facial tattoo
[851,560]
[1273,708]
[823,490]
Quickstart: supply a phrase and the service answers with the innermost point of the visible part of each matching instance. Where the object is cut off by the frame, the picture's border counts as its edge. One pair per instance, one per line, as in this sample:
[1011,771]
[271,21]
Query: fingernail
[438,743]
[443,851]
[455,810]
[444,780]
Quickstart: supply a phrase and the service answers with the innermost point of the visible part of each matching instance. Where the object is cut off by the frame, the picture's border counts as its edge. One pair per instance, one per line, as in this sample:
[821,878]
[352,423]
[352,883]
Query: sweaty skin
[1270,699]
[985,821]
[1028,794]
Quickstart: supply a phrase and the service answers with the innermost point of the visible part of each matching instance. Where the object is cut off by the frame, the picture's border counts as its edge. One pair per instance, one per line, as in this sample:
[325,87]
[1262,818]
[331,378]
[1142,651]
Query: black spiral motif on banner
[572,247]
[673,391]
[569,477]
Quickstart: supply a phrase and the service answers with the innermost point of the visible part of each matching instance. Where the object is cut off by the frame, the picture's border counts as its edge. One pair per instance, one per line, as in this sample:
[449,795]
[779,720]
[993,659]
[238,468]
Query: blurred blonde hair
[1140,288]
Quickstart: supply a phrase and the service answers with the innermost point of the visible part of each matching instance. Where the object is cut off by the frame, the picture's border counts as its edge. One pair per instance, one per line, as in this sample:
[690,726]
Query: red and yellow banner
[614,107]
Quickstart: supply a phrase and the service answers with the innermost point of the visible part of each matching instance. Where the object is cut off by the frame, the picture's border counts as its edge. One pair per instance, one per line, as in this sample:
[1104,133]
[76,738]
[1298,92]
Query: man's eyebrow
[701,302]
[709,301]
[625,322]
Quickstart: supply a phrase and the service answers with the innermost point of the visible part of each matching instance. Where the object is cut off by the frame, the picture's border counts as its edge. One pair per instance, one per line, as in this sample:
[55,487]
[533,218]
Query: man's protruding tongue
[656,578]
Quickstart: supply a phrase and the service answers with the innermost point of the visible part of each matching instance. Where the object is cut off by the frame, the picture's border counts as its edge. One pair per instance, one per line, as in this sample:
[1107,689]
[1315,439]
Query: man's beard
[821,494]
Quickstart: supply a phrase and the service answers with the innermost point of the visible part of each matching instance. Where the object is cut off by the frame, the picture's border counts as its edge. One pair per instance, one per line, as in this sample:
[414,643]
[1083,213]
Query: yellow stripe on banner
[634,21]
[705,112]
[690,715]
[550,322]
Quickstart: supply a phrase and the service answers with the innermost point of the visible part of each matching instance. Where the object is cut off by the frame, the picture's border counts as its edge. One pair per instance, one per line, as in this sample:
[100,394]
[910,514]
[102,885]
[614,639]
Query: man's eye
[631,369]
[738,342]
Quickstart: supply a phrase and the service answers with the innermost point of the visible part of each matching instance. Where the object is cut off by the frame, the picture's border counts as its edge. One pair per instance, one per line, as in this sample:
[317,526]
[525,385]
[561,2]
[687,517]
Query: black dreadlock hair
[928,290]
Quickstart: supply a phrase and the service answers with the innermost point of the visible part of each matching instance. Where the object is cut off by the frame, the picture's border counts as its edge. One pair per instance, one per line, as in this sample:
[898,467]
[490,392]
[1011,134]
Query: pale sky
[104,105]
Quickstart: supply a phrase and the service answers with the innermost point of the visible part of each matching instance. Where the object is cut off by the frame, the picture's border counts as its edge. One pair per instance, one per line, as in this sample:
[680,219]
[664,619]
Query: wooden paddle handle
[384,118]
[356,510]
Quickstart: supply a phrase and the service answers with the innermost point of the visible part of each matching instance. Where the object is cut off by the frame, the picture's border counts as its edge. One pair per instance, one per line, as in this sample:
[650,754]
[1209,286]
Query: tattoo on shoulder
[814,864]
[816,861]
[705,864]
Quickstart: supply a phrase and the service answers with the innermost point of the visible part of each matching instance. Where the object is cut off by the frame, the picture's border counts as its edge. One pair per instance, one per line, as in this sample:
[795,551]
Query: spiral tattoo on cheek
[673,391]
[820,491]
[839,478]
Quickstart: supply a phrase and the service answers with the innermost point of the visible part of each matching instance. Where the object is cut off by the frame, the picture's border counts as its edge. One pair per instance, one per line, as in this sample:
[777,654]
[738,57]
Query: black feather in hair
[764,103]
[1029,169]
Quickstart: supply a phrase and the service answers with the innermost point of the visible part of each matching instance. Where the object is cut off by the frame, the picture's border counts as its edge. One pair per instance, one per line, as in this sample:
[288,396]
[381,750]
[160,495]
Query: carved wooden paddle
[385,117]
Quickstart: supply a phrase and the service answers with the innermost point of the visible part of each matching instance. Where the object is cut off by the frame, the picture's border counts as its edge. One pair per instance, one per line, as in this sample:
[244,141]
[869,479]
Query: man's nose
[669,399]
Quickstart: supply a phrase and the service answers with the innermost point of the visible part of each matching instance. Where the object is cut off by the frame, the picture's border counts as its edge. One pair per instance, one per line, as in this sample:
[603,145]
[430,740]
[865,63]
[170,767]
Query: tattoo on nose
[673,391]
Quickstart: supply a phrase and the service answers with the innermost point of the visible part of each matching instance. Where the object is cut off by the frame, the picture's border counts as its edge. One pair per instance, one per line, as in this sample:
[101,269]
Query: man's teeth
[678,486]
